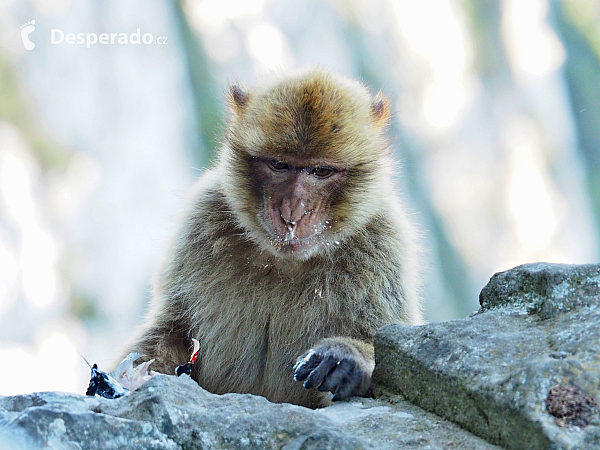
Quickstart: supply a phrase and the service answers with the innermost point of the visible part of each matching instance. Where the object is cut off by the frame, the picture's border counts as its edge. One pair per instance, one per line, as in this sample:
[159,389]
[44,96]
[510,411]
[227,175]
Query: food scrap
[123,379]
[103,385]
[187,368]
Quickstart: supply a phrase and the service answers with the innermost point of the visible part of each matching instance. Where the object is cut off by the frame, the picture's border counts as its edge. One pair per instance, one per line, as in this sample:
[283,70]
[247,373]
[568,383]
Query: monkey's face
[298,202]
[305,162]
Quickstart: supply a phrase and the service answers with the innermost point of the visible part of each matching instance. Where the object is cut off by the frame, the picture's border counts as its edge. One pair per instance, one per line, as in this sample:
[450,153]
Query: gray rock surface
[532,349]
[175,413]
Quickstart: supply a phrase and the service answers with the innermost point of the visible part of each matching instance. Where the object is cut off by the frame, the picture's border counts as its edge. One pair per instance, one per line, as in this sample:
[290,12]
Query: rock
[523,372]
[175,413]
[545,290]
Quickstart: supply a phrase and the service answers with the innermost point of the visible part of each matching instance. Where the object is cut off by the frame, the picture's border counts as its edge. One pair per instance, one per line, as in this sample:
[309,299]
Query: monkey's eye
[322,172]
[278,165]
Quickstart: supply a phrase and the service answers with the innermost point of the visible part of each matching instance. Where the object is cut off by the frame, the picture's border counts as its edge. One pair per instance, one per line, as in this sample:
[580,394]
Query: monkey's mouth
[293,237]
[289,241]
[295,248]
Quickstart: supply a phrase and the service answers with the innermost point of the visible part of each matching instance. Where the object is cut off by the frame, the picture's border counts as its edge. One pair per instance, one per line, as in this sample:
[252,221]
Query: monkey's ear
[238,98]
[380,108]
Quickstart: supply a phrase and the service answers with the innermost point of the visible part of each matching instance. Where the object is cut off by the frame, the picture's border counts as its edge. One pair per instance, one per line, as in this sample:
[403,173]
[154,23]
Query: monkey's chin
[299,249]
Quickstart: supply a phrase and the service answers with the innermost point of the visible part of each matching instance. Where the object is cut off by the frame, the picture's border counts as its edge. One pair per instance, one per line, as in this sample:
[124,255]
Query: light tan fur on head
[314,114]
[294,245]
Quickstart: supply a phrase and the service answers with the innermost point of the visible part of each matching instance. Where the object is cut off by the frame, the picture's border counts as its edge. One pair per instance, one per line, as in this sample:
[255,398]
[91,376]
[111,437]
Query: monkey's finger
[344,390]
[317,376]
[336,376]
[306,364]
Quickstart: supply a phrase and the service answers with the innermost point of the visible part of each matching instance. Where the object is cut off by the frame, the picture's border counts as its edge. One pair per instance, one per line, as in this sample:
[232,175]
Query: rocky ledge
[522,372]
[175,413]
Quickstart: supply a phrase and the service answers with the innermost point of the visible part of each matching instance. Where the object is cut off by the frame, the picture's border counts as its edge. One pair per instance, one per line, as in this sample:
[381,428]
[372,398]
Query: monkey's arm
[167,331]
[340,365]
[169,345]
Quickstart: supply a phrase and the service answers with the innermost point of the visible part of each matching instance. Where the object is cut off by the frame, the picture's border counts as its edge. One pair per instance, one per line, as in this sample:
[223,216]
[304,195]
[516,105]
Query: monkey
[294,250]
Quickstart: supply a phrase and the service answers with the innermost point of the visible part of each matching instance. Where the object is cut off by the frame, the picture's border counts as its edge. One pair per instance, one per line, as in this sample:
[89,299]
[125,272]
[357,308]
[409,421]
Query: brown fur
[226,281]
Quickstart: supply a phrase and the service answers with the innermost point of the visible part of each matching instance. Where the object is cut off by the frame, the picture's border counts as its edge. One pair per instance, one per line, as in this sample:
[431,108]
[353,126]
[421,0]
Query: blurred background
[496,126]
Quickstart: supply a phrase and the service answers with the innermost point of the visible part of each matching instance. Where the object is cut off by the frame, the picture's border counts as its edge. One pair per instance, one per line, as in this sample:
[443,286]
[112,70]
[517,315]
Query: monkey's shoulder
[381,240]
[208,214]
[208,231]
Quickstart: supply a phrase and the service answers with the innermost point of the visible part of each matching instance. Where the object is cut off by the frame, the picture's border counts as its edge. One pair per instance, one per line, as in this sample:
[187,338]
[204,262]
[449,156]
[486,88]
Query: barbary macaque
[294,250]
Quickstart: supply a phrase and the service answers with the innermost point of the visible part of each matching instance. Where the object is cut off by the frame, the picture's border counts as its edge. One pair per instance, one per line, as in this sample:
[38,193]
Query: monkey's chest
[253,326]
[250,347]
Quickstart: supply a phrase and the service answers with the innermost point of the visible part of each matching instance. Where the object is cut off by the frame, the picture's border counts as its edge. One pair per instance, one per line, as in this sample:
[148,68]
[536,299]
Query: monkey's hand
[341,366]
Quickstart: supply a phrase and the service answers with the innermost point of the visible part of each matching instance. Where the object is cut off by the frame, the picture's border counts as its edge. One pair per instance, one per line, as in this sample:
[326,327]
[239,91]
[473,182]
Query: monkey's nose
[293,217]
[291,213]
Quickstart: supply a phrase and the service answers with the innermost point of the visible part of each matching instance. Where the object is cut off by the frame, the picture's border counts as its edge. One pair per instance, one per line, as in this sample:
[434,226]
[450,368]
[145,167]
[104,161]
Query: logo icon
[26,30]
